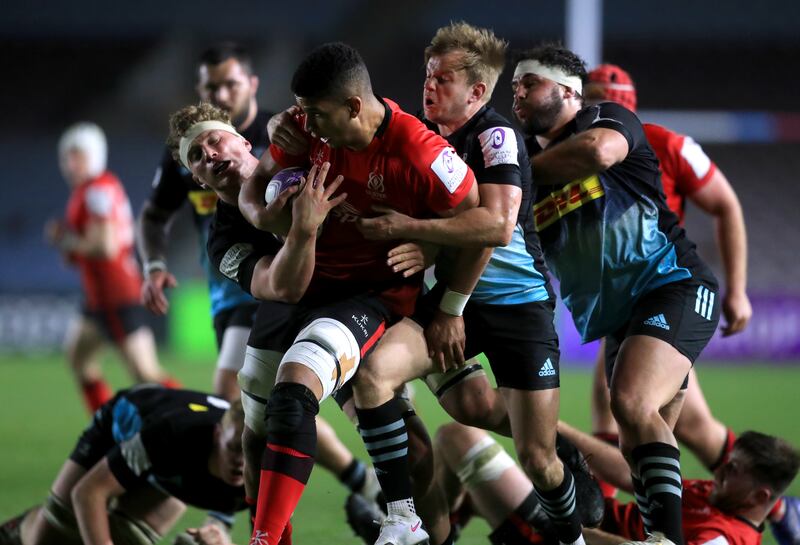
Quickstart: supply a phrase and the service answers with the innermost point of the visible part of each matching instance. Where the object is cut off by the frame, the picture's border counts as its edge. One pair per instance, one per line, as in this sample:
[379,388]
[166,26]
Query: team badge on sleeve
[233,258]
[450,169]
[499,146]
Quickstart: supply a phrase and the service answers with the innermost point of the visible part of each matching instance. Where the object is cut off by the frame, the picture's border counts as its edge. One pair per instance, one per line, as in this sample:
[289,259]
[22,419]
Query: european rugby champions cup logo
[498,138]
[447,159]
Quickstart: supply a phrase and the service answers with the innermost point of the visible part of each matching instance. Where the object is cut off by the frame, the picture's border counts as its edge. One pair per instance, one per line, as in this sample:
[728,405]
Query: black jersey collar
[386,118]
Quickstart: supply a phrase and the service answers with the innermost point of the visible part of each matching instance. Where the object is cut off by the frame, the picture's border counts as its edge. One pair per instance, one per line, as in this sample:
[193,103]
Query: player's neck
[371,118]
[449,127]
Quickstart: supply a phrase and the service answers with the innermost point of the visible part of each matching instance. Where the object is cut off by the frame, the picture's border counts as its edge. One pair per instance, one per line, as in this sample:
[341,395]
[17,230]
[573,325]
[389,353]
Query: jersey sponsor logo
[361,322]
[499,146]
[450,169]
[704,304]
[233,259]
[547,369]
[568,199]
[657,321]
[375,187]
[203,201]
[598,119]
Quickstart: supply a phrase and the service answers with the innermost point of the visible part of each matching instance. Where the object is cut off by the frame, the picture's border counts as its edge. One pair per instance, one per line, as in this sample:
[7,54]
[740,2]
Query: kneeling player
[148,452]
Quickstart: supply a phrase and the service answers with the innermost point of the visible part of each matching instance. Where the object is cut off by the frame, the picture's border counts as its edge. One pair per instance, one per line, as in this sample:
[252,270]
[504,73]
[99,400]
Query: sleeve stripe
[719,540]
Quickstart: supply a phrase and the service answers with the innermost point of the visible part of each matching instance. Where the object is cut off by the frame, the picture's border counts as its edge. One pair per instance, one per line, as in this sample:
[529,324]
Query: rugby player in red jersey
[97,237]
[384,156]
[387,158]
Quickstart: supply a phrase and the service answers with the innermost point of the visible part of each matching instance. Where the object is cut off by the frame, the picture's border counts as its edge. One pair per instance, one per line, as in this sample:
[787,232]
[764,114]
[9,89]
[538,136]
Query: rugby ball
[283,180]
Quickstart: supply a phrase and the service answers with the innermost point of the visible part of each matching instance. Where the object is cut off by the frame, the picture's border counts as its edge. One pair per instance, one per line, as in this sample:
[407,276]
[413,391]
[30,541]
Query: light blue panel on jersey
[223,292]
[604,267]
[508,279]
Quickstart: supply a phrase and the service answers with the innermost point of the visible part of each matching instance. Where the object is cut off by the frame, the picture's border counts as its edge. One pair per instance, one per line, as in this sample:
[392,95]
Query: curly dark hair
[555,55]
[332,70]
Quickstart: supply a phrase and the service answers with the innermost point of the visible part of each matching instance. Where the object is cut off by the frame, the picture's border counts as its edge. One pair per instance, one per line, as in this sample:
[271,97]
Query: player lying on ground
[730,510]
[96,236]
[148,453]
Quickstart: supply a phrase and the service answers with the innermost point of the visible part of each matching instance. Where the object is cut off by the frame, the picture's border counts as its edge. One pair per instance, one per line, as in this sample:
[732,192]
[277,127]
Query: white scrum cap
[91,140]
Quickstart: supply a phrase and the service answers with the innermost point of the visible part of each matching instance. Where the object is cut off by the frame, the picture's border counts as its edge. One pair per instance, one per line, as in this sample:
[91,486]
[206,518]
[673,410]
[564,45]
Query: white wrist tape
[155,265]
[453,303]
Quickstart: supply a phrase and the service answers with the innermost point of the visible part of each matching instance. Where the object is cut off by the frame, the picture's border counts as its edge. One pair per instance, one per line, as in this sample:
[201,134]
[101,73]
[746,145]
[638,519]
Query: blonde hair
[484,54]
[182,120]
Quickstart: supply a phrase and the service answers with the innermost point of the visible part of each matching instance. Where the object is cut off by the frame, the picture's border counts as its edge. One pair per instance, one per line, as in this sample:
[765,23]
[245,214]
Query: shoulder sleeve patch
[696,157]
[499,146]
[233,258]
[99,201]
[450,169]
[135,455]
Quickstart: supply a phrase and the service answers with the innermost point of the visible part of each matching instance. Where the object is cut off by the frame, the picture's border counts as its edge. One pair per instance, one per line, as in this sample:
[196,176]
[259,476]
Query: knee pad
[439,383]
[291,417]
[62,519]
[256,379]
[126,530]
[484,462]
[329,349]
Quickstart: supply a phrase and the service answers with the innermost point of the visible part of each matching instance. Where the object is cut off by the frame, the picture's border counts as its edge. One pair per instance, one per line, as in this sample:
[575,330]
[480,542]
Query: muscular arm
[152,229]
[718,199]
[490,224]
[90,499]
[285,276]
[584,154]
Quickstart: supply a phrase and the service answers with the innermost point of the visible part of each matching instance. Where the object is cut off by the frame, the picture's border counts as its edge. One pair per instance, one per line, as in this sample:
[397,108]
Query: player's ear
[247,144]
[355,105]
[253,85]
[478,92]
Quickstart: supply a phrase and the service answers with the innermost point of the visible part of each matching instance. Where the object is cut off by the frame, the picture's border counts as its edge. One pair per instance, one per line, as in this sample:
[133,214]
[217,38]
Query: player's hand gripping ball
[284,179]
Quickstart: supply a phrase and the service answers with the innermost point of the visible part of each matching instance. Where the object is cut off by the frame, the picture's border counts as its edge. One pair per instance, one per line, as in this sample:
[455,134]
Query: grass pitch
[42,417]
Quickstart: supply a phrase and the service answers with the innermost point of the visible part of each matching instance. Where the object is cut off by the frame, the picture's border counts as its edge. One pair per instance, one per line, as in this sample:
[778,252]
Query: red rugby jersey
[106,282]
[703,524]
[684,166]
[406,167]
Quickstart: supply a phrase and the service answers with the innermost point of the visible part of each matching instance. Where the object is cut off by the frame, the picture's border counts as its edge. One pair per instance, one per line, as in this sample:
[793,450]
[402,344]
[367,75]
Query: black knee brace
[291,417]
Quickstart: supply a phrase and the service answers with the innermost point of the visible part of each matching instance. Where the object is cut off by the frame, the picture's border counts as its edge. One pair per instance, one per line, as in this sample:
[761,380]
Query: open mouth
[428,102]
[221,167]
